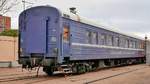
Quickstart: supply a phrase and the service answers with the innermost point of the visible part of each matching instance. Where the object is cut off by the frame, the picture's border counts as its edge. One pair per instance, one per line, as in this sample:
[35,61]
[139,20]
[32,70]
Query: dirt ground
[135,74]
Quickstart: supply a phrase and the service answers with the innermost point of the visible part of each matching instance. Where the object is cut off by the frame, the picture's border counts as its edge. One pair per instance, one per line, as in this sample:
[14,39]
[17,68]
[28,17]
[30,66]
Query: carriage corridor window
[126,43]
[109,40]
[142,45]
[139,44]
[94,38]
[116,41]
[102,39]
[122,42]
[66,33]
[130,44]
[134,44]
[88,34]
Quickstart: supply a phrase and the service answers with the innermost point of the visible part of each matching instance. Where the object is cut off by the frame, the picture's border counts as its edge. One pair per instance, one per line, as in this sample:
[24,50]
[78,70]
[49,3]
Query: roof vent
[73,10]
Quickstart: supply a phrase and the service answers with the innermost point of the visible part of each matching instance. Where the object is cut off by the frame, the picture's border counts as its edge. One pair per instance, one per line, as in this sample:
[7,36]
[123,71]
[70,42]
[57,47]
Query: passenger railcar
[66,42]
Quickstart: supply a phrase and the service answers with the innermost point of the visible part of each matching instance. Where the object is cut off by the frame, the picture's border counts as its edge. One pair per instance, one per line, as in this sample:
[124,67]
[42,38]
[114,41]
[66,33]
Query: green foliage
[13,33]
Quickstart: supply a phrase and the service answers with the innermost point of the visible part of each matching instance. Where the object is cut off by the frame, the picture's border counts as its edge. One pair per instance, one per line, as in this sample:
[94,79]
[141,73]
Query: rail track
[30,79]
[15,74]
[19,78]
[123,73]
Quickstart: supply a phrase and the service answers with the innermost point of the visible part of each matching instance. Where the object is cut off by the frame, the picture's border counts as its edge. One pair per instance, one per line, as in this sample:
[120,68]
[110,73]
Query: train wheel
[74,69]
[48,70]
[81,69]
[88,68]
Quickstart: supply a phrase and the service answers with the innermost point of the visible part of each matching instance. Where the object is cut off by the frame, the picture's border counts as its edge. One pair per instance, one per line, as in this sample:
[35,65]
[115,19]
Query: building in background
[5,23]
[8,51]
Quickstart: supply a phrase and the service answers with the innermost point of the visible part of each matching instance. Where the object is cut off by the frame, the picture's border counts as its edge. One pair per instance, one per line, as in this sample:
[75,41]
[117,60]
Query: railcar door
[66,41]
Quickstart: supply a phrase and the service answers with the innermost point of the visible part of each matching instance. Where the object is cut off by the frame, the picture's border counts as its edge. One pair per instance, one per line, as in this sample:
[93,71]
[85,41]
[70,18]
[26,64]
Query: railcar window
[102,39]
[94,38]
[116,41]
[130,44]
[126,43]
[139,44]
[122,42]
[109,40]
[134,44]
[66,33]
[142,45]
[88,34]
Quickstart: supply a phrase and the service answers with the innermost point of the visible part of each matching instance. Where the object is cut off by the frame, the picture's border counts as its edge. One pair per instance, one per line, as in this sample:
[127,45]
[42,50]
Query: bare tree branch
[3,3]
[6,5]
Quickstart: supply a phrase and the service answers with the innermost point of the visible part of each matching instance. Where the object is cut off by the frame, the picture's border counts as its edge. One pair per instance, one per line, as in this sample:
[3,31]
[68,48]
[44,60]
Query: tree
[13,33]
[6,5]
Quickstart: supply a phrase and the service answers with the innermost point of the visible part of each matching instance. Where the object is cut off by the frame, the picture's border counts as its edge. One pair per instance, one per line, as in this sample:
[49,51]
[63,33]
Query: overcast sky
[130,16]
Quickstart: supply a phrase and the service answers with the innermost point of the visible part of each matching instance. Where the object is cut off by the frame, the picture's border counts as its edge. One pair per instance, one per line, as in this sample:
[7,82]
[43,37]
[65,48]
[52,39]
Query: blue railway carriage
[67,43]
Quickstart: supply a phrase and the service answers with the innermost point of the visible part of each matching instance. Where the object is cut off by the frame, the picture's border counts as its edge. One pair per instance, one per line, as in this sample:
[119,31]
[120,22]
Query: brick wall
[5,23]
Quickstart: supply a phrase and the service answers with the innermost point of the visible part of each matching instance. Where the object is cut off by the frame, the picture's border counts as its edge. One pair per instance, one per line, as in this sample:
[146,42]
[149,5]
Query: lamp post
[145,45]
[147,50]
[23,1]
